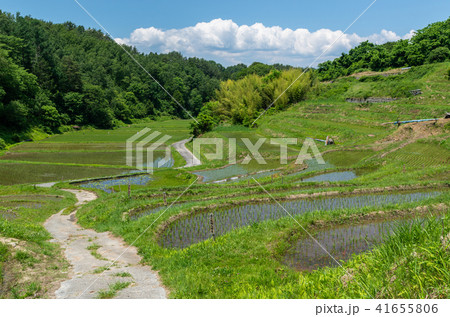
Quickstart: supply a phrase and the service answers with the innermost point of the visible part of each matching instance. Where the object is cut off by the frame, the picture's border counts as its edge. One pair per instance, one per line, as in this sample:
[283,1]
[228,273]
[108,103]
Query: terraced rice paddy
[82,154]
[196,228]
[251,176]
[418,155]
[221,174]
[106,184]
[238,172]
[22,173]
[117,158]
[313,166]
[332,177]
[340,243]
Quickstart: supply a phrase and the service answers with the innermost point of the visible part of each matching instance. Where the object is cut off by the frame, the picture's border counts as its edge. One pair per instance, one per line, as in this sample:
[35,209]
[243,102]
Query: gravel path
[190,159]
[88,250]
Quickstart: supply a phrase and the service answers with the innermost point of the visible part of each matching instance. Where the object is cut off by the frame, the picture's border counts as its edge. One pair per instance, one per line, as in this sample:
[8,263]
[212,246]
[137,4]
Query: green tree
[205,120]
[440,54]
[50,117]
[2,144]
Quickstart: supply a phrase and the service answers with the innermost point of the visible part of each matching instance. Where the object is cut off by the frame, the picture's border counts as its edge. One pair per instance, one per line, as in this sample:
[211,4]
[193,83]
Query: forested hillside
[429,45]
[59,74]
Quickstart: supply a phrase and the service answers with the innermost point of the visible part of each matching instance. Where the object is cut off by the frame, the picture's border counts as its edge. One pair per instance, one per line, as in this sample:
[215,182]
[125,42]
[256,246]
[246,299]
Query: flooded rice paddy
[237,172]
[340,243]
[313,166]
[332,177]
[115,158]
[195,228]
[22,173]
[106,184]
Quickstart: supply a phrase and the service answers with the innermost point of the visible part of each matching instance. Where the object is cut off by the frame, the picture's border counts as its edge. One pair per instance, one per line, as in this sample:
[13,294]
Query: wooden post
[282,179]
[165,199]
[211,226]
[129,191]
[272,178]
[248,182]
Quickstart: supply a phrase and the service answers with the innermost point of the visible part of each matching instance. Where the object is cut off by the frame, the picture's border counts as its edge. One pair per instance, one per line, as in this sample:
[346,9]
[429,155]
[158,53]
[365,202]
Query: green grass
[431,78]
[100,270]
[94,252]
[4,255]
[35,253]
[113,289]
[123,274]
[25,258]
[177,129]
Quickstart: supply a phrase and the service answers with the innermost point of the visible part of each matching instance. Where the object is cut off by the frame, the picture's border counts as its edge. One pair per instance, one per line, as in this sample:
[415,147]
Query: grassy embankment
[30,265]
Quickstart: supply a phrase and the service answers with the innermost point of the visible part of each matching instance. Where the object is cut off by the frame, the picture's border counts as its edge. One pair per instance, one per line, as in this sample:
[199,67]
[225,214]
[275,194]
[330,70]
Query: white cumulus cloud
[230,43]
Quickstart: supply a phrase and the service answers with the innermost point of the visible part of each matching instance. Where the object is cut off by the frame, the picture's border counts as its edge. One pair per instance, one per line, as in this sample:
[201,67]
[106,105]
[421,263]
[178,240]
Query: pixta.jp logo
[146,153]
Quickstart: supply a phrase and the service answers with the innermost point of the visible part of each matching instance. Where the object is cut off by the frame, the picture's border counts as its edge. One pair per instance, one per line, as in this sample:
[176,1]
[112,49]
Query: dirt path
[190,159]
[89,251]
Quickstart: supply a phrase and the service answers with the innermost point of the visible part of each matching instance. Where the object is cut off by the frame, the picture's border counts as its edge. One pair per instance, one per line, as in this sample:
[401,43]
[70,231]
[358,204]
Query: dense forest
[60,74]
[429,45]
[55,75]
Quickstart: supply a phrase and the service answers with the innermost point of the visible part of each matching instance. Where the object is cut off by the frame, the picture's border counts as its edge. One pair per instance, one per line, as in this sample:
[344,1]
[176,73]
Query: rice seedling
[195,228]
[340,243]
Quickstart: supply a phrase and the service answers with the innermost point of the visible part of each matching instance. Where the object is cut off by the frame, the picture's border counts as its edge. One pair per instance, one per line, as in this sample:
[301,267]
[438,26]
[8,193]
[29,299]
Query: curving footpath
[190,159]
[85,281]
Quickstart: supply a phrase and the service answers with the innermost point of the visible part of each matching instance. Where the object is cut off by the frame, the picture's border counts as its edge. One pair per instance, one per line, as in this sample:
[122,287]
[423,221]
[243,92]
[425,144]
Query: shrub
[440,54]
[2,144]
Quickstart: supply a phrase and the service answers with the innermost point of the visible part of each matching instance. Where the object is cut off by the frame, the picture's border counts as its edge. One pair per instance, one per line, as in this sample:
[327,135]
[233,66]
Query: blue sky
[288,31]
